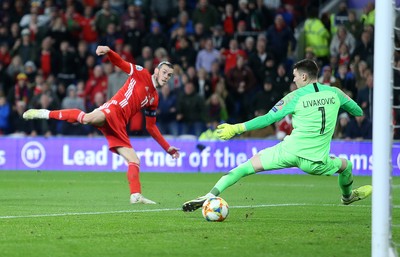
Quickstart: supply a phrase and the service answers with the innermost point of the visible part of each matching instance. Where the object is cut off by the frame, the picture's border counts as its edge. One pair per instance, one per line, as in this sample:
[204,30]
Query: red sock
[69,115]
[133,178]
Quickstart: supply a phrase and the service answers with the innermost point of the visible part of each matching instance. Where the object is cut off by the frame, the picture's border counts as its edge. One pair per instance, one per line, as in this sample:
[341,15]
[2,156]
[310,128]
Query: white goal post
[382,130]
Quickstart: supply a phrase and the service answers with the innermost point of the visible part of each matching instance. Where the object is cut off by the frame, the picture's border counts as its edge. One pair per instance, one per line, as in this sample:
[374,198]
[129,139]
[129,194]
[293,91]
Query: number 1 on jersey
[322,110]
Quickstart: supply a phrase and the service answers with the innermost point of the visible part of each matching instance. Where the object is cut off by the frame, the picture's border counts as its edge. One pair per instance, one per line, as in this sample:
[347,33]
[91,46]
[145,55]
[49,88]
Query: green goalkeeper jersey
[314,110]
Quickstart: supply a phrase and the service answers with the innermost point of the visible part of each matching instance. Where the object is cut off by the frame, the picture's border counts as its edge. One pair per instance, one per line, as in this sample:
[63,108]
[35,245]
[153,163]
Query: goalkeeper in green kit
[314,108]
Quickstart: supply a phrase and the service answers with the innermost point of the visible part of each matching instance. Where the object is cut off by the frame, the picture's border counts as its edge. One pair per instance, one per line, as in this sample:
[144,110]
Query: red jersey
[138,92]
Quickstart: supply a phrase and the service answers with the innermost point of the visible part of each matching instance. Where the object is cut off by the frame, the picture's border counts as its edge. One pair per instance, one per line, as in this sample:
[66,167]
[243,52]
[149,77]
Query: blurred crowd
[232,60]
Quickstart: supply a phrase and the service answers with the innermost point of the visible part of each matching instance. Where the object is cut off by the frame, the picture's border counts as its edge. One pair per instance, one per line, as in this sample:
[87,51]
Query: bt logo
[33,154]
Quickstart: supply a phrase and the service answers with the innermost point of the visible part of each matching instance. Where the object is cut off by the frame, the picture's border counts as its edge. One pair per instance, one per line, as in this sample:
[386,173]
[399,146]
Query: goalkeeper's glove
[226,131]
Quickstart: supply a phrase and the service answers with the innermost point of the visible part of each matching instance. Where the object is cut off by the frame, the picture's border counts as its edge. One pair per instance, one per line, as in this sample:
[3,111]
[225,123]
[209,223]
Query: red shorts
[114,129]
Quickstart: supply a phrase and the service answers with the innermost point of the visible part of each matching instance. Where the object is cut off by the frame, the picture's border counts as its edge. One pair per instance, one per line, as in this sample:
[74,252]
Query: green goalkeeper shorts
[274,158]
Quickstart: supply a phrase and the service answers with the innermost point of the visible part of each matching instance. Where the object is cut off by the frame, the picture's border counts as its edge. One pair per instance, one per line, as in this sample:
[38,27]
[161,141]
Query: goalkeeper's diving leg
[247,168]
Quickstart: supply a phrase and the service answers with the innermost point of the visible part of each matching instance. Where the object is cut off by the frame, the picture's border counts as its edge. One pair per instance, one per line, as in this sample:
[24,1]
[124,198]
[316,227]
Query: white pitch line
[161,210]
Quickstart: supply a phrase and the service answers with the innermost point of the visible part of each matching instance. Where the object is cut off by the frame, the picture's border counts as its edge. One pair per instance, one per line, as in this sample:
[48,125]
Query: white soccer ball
[215,209]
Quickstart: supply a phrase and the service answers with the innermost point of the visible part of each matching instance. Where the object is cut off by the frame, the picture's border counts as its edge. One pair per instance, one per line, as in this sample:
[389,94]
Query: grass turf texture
[88,214]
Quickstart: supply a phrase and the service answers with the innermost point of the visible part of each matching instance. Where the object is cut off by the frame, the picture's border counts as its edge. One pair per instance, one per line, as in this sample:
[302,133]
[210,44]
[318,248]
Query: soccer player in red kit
[139,92]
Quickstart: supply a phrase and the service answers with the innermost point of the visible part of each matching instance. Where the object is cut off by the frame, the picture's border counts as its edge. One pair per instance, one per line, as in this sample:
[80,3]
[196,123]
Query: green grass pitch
[88,214]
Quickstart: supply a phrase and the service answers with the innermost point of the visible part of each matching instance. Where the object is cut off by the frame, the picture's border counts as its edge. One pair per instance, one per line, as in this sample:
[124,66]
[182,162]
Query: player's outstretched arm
[115,59]
[226,131]
[155,133]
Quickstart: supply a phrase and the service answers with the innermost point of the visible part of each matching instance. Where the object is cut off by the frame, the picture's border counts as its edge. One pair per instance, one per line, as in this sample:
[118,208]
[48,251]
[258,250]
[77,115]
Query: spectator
[5,57]
[342,36]
[364,49]
[347,80]
[20,92]
[327,78]
[343,58]
[341,126]
[207,56]
[220,40]
[243,13]
[257,61]
[361,71]
[58,32]
[147,55]
[229,56]
[133,13]
[368,16]
[206,14]
[365,96]
[359,128]
[317,36]
[45,128]
[183,22]
[229,20]
[353,25]
[47,58]
[184,55]
[24,47]
[66,63]
[166,112]
[215,75]
[110,36]
[180,7]
[114,82]
[200,36]
[190,111]
[266,98]
[72,101]
[105,16]
[241,84]
[97,83]
[282,81]
[155,38]
[203,84]
[249,45]
[161,9]
[339,18]
[4,115]
[216,109]
[221,90]
[88,31]
[43,88]
[210,134]
[19,126]
[176,82]
[133,36]
[280,37]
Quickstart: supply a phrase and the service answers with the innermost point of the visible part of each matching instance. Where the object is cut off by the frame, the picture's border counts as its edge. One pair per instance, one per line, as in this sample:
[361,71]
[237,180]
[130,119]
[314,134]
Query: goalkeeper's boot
[194,204]
[36,114]
[357,194]
[139,198]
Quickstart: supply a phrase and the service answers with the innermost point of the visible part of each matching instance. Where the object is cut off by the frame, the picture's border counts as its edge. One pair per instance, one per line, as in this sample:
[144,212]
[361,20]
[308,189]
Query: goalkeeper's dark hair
[307,66]
[165,63]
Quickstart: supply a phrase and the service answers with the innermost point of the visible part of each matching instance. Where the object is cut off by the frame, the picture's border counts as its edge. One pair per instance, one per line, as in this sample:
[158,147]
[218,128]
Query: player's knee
[94,118]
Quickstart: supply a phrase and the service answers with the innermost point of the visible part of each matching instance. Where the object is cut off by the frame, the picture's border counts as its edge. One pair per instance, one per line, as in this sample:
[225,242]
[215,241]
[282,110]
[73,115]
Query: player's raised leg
[96,117]
[69,115]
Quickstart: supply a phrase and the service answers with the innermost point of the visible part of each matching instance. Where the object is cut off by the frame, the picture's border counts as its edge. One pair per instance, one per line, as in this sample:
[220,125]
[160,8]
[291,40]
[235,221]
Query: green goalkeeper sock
[346,180]
[232,177]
